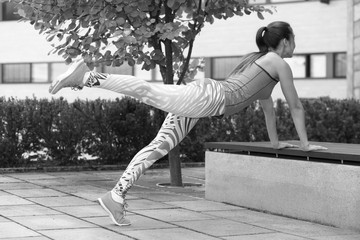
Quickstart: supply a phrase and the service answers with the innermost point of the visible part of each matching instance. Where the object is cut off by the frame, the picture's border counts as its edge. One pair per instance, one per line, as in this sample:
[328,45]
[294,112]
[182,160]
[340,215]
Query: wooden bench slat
[335,151]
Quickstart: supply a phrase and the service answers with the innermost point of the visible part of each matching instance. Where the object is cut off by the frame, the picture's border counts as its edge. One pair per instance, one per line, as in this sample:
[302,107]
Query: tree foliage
[144,32]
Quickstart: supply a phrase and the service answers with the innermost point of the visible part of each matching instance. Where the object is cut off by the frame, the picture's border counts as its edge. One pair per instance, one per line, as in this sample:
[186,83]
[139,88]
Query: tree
[146,32]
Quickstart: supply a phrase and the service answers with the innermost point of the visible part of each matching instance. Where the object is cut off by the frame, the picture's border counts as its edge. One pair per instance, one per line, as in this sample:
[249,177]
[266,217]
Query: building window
[56,69]
[222,67]
[39,73]
[317,66]
[298,65]
[9,12]
[340,65]
[157,74]
[17,73]
[258,1]
[285,1]
[276,1]
[142,74]
[124,69]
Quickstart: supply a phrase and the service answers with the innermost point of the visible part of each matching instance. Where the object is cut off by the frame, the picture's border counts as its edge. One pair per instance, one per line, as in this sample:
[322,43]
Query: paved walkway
[61,205]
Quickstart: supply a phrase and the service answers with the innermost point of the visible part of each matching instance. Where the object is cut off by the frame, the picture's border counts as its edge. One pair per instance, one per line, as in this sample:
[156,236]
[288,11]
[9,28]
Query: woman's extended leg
[198,99]
[172,132]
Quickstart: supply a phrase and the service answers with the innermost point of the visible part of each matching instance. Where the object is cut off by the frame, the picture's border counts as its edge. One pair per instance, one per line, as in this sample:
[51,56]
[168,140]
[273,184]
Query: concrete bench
[322,186]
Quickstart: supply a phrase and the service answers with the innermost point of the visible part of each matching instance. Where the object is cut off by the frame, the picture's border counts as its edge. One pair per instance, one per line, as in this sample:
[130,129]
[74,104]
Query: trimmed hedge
[58,133]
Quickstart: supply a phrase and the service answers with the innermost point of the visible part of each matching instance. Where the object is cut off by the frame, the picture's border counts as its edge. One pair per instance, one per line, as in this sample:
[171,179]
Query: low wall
[326,193]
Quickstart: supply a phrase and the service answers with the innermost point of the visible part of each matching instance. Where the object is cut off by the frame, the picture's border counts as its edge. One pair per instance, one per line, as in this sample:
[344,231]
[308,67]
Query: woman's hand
[310,147]
[281,145]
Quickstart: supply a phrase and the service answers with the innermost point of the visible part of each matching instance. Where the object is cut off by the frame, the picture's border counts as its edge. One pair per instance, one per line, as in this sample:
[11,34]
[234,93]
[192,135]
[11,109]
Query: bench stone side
[314,191]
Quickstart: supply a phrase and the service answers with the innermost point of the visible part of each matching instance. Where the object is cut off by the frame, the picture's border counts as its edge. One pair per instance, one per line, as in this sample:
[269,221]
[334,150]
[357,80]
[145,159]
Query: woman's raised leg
[202,98]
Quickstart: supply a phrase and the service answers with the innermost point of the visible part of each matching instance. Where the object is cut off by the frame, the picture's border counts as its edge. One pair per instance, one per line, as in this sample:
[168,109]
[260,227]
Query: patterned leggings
[186,104]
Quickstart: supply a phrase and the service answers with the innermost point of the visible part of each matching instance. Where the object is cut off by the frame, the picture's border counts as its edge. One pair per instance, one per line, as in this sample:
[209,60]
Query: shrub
[55,132]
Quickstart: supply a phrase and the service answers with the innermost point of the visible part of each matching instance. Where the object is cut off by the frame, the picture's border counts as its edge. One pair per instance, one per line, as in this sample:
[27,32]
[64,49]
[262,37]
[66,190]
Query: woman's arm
[291,96]
[270,119]
[296,108]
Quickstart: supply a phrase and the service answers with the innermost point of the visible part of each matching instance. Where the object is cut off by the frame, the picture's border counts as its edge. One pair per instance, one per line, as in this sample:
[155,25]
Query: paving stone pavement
[62,205]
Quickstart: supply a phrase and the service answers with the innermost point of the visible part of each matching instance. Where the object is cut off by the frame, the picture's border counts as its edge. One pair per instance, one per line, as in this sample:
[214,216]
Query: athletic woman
[253,79]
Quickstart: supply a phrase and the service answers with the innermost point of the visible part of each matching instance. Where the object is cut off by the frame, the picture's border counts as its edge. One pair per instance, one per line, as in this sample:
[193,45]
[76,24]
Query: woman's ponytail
[266,38]
[260,39]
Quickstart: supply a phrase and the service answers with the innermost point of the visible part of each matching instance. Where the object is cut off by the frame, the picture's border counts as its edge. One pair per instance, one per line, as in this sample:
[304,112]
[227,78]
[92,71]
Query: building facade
[353,51]
[320,64]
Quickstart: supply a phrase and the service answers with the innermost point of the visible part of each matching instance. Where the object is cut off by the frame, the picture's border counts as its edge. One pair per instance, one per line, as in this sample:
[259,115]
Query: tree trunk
[174,154]
[174,158]
[175,167]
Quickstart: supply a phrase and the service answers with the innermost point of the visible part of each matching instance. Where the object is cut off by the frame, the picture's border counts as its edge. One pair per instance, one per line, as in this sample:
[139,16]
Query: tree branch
[195,29]
[169,17]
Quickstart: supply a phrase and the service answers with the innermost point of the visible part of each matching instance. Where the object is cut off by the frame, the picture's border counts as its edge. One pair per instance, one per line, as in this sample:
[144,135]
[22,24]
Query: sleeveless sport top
[243,88]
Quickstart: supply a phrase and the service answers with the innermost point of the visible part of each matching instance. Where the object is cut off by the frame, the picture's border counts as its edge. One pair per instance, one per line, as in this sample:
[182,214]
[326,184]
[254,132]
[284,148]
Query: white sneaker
[73,77]
[115,210]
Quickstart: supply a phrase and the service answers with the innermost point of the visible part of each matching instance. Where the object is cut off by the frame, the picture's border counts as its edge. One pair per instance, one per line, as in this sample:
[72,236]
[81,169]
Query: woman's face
[289,46]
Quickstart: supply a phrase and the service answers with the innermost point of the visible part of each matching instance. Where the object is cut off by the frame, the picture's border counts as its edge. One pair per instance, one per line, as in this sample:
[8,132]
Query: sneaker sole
[58,84]
[110,214]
